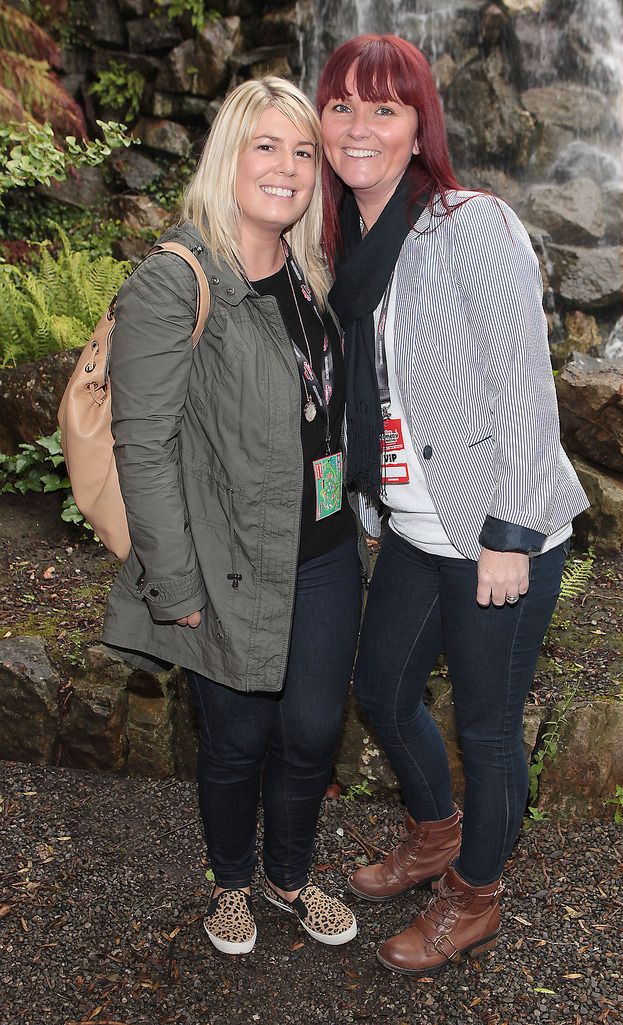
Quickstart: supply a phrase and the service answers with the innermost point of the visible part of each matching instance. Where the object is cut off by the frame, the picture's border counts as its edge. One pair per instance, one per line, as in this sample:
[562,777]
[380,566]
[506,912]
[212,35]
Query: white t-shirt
[412,511]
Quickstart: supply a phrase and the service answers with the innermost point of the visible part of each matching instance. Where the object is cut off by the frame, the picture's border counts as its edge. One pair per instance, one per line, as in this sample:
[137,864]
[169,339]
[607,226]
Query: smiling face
[275,176]
[369,144]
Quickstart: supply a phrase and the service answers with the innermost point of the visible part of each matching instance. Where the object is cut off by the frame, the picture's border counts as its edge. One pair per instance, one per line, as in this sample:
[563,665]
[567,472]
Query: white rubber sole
[227,947]
[321,937]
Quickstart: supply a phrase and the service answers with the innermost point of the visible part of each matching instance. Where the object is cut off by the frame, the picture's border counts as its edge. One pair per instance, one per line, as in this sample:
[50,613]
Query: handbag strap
[203,289]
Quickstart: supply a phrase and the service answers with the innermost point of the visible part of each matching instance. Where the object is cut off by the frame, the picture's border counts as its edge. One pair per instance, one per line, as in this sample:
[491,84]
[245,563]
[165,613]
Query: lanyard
[380,355]
[322,395]
[321,392]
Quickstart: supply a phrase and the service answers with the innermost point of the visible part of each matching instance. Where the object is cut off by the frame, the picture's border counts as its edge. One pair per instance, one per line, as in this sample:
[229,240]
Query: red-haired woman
[452,430]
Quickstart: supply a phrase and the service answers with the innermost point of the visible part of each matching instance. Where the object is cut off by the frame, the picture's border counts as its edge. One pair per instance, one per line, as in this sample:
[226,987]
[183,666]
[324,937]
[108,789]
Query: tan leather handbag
[85,419]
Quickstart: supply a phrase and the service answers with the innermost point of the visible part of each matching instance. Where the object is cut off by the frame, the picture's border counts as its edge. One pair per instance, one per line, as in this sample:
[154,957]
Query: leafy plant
[40,93]
[56,306]
[576,576]
[44,220]
[121,88]
[29,154]
[195,8]
[40,466]
[20,33]
[548,749]
[617,801]
[29,89]
[358,790]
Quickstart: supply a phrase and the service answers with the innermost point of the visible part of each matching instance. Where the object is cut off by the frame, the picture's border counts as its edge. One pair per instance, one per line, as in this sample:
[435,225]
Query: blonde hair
[210,198]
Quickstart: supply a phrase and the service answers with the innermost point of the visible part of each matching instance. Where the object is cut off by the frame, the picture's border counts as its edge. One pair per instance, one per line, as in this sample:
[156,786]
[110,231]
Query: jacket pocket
[234,576]
[478,435]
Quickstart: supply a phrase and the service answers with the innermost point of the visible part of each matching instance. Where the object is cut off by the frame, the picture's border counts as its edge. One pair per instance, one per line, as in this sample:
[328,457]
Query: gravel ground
[103,889]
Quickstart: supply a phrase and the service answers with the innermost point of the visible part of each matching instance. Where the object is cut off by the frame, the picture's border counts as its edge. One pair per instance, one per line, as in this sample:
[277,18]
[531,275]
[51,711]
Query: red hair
[386,68]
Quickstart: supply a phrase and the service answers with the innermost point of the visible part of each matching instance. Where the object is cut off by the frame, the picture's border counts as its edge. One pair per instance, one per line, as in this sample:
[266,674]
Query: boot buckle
[438,945]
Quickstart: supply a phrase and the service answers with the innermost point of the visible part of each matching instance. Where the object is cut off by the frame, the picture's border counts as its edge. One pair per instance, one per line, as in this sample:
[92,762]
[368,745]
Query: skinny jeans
[280,746]
[420,606]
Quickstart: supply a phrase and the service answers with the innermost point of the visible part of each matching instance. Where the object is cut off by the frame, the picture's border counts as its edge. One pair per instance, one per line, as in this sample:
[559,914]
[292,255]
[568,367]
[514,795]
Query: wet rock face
[486,120]
[28,701]
[588,279]
[572,212]
[590,757]
[602,523]
[164,135]
[590,398]
[30,395]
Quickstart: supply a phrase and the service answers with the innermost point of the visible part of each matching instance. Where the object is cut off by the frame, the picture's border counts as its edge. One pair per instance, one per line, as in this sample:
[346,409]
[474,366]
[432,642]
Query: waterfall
[327,23]
[577,42]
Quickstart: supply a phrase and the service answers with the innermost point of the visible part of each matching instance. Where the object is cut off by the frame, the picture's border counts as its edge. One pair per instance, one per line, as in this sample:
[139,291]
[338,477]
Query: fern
[10,107]
[20,33]
[56,306]
[40,93]
[576,576]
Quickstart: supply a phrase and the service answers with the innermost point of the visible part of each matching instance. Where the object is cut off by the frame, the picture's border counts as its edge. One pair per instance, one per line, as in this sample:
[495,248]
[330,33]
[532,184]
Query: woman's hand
[501,576]
[193,620]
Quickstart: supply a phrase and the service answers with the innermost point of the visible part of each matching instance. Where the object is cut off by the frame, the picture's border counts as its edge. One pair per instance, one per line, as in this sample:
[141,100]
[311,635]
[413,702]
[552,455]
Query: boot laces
[444,907]
[406,851]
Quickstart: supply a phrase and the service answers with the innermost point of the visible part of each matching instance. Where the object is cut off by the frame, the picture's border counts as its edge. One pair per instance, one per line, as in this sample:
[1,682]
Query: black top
[317,537]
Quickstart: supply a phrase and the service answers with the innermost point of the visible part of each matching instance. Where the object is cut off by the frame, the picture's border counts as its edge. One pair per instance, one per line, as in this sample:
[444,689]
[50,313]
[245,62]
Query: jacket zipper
[234,576]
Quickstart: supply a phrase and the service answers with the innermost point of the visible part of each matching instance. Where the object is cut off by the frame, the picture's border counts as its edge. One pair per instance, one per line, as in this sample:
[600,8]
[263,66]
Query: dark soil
[102,893]
[53,578]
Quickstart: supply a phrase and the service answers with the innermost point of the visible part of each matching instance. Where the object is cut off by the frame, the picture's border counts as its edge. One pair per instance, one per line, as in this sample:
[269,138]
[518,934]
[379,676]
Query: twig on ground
[368,847]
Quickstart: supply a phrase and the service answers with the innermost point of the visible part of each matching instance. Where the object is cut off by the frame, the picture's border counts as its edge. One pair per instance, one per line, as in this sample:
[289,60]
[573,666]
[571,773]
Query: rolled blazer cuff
[501,536]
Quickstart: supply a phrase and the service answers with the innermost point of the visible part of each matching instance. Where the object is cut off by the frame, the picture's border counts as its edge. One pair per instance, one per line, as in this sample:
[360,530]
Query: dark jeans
[280,744]
[419,606]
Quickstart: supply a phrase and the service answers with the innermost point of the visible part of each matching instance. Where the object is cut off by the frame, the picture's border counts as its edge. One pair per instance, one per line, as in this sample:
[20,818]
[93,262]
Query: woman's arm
[499,277]
[150,367]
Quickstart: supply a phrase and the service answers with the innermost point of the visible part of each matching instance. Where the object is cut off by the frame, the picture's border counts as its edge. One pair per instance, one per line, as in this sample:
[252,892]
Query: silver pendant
[309,411]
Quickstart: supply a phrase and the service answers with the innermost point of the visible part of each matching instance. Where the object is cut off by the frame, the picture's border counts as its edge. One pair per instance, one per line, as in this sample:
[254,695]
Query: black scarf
[363,269]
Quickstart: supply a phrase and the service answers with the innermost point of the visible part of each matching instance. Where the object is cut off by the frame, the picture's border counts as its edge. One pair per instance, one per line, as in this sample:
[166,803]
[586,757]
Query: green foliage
[20,33]
[30,156]
[548,749]
[40,466]
[121,88]
[29,90]
[56,306]
[46,219]
[358,790]
[195,8]
[617,801]
[68,23]
[40,93]
[167,191]
[576,576]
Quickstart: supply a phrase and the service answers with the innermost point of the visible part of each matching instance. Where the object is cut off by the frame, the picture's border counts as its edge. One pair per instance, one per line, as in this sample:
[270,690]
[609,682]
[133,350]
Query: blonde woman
[244,565]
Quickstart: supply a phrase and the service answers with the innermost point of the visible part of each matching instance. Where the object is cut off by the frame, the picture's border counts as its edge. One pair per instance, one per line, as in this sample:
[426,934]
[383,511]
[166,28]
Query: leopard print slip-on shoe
[229,922]
[325,918]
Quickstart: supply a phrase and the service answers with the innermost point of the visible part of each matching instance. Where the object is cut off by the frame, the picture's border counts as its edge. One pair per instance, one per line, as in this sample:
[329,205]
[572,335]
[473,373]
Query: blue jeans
[419,606]
[280,745]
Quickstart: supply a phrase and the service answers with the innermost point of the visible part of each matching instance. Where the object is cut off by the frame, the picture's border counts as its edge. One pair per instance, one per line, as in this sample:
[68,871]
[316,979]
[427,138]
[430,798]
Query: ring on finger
[512,599]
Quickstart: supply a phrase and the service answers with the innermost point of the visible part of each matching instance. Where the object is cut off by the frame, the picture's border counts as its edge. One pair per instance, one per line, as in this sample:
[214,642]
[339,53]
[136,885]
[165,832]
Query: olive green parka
[208,450]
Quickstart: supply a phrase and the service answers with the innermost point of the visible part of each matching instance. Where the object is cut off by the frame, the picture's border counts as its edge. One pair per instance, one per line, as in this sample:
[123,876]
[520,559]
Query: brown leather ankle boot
[420,859]
[459,920]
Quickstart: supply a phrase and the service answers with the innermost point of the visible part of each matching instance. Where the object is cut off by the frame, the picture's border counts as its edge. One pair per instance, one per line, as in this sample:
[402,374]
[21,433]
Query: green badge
[328,477]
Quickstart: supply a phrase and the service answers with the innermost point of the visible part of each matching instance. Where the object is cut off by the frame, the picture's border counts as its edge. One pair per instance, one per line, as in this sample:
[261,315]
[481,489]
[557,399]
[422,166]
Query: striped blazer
[474,372]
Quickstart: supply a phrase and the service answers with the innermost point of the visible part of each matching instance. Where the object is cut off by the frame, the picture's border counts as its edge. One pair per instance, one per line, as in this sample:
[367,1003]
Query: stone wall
[112,718]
